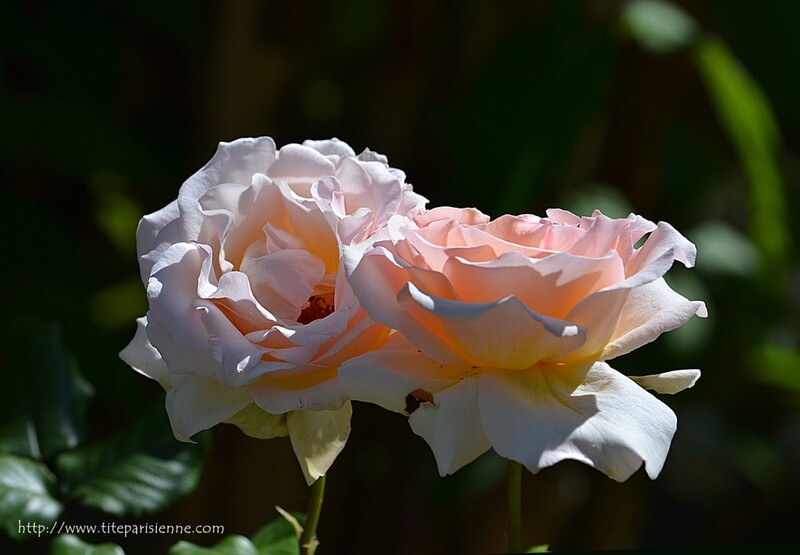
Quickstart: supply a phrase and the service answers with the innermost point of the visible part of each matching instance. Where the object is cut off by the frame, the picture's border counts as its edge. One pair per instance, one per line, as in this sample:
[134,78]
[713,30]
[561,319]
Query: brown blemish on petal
[416,398]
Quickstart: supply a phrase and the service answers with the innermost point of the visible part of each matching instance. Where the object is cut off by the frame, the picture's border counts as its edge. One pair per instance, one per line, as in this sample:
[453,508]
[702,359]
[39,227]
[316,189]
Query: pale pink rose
[510,323]
[250,315]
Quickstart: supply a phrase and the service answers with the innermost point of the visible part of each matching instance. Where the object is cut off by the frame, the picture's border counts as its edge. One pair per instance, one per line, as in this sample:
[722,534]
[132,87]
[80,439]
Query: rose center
[318,307]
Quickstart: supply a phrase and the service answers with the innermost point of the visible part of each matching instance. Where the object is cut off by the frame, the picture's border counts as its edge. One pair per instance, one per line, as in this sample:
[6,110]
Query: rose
[250,315]
[510,323]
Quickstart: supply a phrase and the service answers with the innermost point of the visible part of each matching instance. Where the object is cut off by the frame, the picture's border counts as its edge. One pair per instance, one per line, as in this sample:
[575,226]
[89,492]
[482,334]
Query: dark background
[518,106]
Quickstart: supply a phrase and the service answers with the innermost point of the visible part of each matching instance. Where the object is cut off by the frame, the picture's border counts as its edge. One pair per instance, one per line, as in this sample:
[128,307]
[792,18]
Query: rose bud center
[318,307]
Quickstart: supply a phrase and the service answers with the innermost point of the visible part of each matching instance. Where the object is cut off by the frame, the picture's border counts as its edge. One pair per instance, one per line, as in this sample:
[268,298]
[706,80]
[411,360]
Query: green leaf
[279,537]
[142,469]
[69,544]
[276,538]
[25,496]
[659,26]
[42,397]
[231,545]
[747,118]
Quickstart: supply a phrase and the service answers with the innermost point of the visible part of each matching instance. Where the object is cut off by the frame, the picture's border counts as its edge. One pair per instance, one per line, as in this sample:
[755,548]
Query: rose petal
[234,162]
[154,234]
[664,241]
[468,216]
[451,425]
[670,383]
[649,311]
[284,280]
[239,359]
[181,360]
[330,147]
[195,404]
[297,388]
[234,293]
[318,437]
[502,334]
[178,275]
[590,413]
[599,314]
[143,357]
[567,279]
[298,167]
[258,423]
[387,376]
[376,281]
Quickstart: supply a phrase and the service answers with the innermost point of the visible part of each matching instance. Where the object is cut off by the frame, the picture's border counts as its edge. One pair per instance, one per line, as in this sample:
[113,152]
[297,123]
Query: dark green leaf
[139,470]
[42,396]
[278,537]
[68,544]
[231,545]
[25,497]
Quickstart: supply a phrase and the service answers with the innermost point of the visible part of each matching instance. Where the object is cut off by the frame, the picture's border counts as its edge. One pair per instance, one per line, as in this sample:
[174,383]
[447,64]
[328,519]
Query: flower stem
[514,507]
[308,539]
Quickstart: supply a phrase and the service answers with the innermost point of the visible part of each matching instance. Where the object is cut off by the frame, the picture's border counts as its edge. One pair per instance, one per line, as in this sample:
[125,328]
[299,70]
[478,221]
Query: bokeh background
[684,111]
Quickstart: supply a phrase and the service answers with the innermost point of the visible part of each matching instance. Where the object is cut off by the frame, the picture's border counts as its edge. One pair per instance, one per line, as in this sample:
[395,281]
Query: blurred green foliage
[679,111]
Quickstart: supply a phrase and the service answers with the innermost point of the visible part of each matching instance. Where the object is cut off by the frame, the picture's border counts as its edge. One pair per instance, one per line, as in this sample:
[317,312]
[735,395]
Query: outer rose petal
[195,404]
[259,423]
[668,382]
[234,162]
[318,437]
[649,311]
[452,426]
[143,357]
[152,227]
[590,413]
[387,376]
[180,360]
[178,273]
[330,147]
[320,392]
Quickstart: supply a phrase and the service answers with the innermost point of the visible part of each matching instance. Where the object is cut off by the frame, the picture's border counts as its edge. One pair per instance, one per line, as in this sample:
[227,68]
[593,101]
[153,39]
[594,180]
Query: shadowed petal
[143,357]
[589,413]
[195,404]
[387,376]
[259,423]
[452,426]
[318,437]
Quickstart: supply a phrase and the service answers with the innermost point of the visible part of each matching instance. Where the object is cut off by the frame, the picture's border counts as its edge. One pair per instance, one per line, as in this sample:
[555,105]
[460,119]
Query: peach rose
[508,325]
[250,315]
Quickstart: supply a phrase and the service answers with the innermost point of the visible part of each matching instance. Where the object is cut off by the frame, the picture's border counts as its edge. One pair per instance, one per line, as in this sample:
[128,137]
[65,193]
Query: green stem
[308,539]
[514,507]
